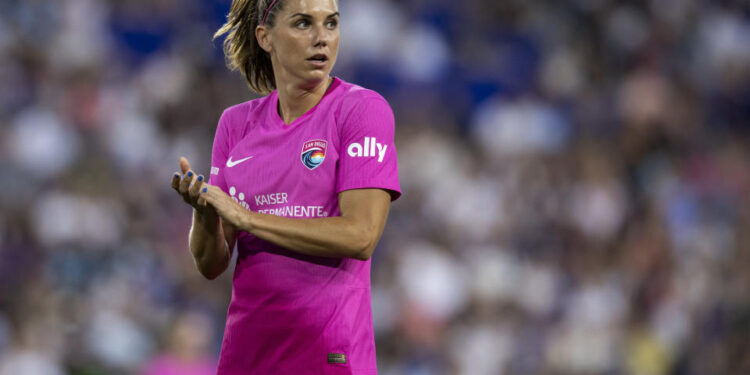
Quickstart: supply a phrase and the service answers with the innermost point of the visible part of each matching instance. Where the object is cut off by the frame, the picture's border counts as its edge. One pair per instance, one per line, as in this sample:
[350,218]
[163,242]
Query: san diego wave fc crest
[314,153]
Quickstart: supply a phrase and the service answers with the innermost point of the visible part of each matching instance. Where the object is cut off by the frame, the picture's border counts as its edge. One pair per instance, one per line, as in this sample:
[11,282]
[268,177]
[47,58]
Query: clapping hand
[206,199]
[189,185]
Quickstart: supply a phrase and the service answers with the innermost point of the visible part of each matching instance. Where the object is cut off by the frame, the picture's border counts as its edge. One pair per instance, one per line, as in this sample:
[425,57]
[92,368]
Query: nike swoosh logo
[231,163]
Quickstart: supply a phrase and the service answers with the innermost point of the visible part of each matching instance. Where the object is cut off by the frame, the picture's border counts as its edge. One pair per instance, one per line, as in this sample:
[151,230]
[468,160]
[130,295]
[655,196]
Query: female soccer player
[301,181]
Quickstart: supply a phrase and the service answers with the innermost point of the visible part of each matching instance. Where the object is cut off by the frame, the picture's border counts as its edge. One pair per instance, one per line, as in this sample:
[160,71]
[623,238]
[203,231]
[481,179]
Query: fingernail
[200,178]
[205,190]
[190,173]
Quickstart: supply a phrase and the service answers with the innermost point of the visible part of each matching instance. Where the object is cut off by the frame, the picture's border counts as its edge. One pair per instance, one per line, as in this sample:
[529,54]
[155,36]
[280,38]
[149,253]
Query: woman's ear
[264,38]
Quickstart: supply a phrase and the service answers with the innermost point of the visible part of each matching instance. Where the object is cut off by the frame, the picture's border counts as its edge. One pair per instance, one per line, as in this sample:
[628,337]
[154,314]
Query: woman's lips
[318,56]
[319,61]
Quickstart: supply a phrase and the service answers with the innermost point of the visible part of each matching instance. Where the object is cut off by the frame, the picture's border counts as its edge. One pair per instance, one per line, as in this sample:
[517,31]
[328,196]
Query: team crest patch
[313,153]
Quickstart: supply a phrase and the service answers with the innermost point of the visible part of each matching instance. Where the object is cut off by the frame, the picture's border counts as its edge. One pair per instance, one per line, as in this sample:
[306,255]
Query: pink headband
[268,11]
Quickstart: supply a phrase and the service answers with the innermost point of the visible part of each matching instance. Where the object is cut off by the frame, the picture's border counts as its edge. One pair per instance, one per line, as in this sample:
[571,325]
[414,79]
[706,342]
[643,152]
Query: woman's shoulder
[361,108]
[354,99]
[352,93]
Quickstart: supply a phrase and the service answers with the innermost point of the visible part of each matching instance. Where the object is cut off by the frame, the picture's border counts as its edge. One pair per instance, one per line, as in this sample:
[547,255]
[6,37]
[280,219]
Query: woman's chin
[314,77]
[319,73]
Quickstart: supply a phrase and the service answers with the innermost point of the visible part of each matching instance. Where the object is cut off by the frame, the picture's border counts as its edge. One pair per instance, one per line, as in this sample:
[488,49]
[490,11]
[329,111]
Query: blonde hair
[241,49]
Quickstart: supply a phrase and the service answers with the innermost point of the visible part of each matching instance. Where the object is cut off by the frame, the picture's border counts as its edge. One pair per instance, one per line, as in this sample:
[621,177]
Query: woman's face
[304,40]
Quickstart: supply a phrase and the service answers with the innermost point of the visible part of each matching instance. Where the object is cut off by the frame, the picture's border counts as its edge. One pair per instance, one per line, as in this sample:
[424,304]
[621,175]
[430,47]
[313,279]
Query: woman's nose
[321,36]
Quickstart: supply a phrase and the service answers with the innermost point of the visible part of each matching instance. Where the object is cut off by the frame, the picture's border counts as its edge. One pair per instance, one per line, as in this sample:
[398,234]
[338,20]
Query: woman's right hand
[188,185]
[208,240]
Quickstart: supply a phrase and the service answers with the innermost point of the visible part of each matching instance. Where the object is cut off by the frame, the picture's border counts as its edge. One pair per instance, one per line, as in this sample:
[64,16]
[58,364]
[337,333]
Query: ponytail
[241,49]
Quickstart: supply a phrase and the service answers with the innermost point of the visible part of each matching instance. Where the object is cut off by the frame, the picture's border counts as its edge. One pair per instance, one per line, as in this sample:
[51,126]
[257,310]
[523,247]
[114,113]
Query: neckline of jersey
[275,105]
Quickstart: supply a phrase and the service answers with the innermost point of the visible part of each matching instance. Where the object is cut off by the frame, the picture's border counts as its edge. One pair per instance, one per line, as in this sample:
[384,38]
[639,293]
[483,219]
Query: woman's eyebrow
[304,15]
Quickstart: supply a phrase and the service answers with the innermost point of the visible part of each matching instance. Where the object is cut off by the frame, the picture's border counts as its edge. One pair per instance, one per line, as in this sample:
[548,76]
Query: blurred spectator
[186,354]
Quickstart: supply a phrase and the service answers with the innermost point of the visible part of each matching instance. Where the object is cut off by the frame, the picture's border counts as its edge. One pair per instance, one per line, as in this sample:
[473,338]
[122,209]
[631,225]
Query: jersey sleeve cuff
[393,189]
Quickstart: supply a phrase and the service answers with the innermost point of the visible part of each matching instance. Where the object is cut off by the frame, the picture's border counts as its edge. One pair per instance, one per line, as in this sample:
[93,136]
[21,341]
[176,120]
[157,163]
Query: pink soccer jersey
[291,313]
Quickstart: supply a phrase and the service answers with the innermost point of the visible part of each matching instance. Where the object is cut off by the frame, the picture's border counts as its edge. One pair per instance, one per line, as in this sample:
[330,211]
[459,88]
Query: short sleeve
[368,154]
[220,153]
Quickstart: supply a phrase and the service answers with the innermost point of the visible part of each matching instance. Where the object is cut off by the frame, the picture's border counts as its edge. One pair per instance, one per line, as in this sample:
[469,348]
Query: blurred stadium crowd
[576,181]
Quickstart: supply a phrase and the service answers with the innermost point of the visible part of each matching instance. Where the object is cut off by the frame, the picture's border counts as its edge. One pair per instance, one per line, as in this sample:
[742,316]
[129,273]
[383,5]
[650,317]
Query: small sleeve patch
[336,358]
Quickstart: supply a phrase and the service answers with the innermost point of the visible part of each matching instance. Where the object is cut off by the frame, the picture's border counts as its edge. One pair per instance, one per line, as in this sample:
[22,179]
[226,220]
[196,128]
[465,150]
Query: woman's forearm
[330,236]
[354,234]
[208,244]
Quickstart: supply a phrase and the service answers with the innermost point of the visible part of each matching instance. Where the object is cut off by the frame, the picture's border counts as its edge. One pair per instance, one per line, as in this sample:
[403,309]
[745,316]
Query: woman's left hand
[229,210]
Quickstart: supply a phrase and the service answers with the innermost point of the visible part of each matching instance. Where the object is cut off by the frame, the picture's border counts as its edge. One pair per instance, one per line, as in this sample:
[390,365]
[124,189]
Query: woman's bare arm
[211,244]
[211,240]
[354,234]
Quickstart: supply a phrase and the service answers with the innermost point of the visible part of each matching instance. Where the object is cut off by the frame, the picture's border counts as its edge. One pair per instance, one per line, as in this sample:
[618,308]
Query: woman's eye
[331,24]
[301,24]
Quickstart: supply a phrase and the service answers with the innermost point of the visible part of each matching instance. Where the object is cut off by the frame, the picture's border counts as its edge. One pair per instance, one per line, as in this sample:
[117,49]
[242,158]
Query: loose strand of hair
[241,49]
